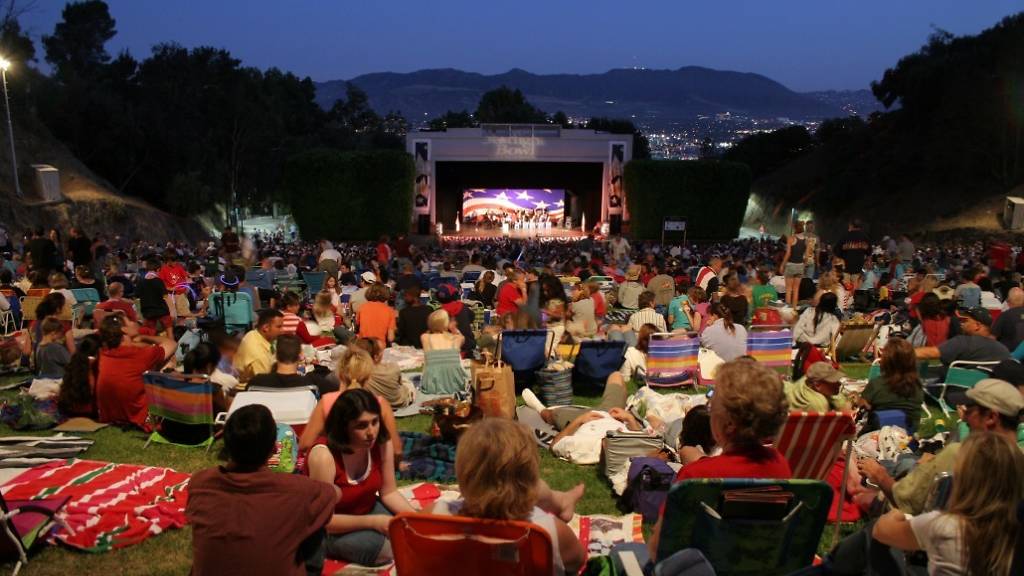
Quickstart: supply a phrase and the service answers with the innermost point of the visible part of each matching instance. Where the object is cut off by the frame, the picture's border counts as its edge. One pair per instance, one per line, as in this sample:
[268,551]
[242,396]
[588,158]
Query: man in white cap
[358,298]
[992,405]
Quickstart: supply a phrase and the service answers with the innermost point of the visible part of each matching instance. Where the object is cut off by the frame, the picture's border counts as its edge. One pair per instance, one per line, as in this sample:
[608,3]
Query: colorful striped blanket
[112,505]
[427,458]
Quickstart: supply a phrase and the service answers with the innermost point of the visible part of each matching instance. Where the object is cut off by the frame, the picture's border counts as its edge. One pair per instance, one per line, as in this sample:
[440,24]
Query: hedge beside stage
[711,195]
[350,195]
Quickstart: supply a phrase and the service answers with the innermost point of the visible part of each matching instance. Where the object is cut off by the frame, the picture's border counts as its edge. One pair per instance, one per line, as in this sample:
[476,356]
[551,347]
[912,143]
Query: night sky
[806,44]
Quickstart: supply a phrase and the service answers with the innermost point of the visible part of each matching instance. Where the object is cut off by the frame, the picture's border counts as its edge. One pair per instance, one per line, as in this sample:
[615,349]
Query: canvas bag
[494,388]
[647,488]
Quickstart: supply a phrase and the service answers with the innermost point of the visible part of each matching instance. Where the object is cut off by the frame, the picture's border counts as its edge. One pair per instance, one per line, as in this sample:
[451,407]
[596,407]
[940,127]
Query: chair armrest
[220,419]
[630,563]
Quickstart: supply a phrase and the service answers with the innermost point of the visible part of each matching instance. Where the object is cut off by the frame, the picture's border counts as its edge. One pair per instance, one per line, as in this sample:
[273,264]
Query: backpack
[649,481]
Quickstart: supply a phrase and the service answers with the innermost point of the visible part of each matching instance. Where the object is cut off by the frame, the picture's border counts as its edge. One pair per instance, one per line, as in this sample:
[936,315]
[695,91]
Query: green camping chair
[182,398]
[737,547]
[962,375]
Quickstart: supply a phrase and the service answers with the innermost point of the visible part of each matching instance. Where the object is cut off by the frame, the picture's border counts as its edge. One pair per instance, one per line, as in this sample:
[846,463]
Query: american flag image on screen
[496,200]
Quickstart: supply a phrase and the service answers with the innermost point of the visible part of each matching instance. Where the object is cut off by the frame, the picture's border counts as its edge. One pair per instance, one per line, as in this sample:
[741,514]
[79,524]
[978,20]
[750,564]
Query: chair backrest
[434,545]
[875,370]
[259,279]
[672,354]
[853,338]
[29,305]
[236,308]
[967,374]
[471,276]
[598,359]
[524,350]
[811,441]
[435,282]
[314,281]
[739,546]
[85,295]
[38,292]
[185,398]
[773,348]
[894,417]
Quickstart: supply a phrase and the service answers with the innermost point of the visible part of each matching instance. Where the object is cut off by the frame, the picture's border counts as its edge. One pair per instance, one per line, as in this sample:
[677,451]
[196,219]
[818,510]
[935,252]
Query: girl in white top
[819,325]
[635,357]
[501,481]
[331,286]
[977,532]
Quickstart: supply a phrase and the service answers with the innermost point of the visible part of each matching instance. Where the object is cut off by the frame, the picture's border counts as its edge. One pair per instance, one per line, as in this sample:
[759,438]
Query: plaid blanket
[112,505]
[428,458]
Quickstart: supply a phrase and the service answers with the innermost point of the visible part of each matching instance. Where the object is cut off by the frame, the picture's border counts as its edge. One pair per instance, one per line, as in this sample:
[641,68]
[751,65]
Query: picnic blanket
[112,505]
[417,403]
[28,451]
[407,357]
[597,533]
[428,458]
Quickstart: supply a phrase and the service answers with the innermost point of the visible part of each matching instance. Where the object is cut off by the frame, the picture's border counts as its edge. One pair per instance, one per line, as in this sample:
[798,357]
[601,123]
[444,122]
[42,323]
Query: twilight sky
[805,44]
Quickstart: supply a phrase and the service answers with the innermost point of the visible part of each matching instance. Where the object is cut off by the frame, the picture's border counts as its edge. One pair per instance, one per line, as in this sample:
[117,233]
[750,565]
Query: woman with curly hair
[747,410]
[501,481]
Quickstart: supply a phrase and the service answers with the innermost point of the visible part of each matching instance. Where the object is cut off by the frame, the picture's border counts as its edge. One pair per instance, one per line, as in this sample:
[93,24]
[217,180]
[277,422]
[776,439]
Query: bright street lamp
[5,64]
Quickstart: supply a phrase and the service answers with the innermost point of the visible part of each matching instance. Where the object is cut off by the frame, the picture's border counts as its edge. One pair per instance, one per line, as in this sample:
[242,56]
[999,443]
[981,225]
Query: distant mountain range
[651,95]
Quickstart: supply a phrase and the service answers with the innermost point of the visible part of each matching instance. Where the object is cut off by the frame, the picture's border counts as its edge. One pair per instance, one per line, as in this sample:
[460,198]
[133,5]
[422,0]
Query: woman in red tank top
[356,456]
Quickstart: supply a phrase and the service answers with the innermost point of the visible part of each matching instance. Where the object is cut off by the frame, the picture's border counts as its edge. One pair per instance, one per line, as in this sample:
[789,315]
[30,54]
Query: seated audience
[630,290]
[77,396]
[484,289]
[330,326]
[156,304]
[126,355]
[501,481]
[84,279]
[582,318]
[992,405]
[819,325]
[735,299]
[254,354]
[722,336]
[285,371]
[681,312]
[460,315]
[357,456]
[696,440]
[52,306]
[115,303]
[375,318]
[976,343]
[748,408]
[646,314]
[52,356]
[936,325]
[1009,326]
[442,367]
[246,519]
[898,387]
[634,361]
[412,318]
[386,379]
[817,390]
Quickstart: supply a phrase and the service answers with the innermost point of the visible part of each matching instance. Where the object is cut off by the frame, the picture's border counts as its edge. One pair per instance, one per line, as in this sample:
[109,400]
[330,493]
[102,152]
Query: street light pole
[4,65]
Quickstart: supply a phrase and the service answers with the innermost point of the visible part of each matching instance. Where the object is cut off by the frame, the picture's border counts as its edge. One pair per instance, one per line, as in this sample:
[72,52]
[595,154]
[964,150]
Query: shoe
[531,400]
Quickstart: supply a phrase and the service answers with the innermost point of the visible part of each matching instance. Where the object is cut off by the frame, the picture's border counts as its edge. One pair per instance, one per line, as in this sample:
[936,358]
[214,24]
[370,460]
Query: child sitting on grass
[52,356]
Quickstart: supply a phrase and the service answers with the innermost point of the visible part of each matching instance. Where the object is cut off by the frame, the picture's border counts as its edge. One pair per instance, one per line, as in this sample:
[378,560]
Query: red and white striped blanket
[112,505]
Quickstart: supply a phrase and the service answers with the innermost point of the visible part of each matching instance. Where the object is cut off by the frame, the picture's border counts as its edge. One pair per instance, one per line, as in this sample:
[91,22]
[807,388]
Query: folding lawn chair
[811,442]
[259,279]
[874,371]
[314,281]
[182,398]
[25,522]
[87,298]
[672,361]
[235,308]
[28,309]
[739,546]
[470,276]
[596,360]
[962,375]
[852,341]
[772,346]
[526,351]
[435,545]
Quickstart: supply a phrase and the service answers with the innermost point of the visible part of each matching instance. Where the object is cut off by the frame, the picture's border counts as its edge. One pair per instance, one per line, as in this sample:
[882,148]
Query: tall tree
[450,119]
[78,44]
[507,105]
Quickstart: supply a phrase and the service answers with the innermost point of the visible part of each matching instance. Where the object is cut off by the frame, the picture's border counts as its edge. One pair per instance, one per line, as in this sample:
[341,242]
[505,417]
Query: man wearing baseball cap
[992,405]
[818,390]
[976,344]
[358,298]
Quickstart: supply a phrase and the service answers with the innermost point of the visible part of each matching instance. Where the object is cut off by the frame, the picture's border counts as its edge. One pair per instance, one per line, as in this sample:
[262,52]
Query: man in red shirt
[512,293]
[115,303]
[173,274]
[383,251]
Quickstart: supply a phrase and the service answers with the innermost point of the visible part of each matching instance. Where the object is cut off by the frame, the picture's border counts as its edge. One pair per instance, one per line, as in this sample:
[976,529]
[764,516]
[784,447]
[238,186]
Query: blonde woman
[583,323]
[354,372]
[978,531]
[442,363]
[326,321]
[501,481]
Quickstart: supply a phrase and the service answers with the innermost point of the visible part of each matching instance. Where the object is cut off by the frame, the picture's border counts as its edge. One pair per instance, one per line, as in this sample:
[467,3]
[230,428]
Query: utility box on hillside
[48,183]
[1013,213]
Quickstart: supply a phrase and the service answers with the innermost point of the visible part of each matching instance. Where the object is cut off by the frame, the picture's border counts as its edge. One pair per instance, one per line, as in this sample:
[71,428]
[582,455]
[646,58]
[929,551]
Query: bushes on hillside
[711,195]
[355,195]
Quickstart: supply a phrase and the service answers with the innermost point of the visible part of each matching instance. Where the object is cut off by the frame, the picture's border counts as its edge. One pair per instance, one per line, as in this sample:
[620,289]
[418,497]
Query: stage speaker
[615,224]
[423,224]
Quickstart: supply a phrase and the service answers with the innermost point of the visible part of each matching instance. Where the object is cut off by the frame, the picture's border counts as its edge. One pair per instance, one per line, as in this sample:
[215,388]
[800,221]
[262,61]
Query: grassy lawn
[170,553]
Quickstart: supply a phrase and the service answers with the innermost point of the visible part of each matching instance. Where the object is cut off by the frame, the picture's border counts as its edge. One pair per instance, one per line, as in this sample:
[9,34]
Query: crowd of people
[958,302]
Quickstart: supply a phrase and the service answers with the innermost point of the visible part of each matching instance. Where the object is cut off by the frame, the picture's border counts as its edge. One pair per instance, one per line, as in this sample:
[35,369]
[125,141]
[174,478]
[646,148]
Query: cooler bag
[647,488]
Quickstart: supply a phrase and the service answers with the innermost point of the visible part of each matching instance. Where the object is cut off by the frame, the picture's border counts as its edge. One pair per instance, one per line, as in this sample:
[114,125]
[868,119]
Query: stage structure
[583,167]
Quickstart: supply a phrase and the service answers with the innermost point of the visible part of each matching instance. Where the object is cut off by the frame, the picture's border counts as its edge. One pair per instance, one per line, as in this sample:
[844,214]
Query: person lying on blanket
[356,455]
[501,481]
[582,429]
[247,519]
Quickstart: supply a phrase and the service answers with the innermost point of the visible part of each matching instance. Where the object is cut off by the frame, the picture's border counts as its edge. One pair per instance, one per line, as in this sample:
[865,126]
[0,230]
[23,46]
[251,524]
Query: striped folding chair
[672,361]
[183,398]
[771,346]
[811,442]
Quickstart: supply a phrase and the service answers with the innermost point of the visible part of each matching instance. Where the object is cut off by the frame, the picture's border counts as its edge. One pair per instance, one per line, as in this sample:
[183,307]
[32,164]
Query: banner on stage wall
[424,177]
[616,190]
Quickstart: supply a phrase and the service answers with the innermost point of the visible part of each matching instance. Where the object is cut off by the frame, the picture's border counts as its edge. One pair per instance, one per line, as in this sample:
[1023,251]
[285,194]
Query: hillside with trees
[952,136]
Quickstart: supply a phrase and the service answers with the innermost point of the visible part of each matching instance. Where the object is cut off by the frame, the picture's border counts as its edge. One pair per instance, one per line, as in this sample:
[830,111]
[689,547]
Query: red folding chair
[427,545]
[23,524]
[811,442]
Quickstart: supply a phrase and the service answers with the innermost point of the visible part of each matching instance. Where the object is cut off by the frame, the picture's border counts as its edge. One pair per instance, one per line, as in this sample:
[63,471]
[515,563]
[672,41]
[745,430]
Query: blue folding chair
[314,281]
[526,351]
[260,279]
[471,276]
[596,360]
[87,298]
